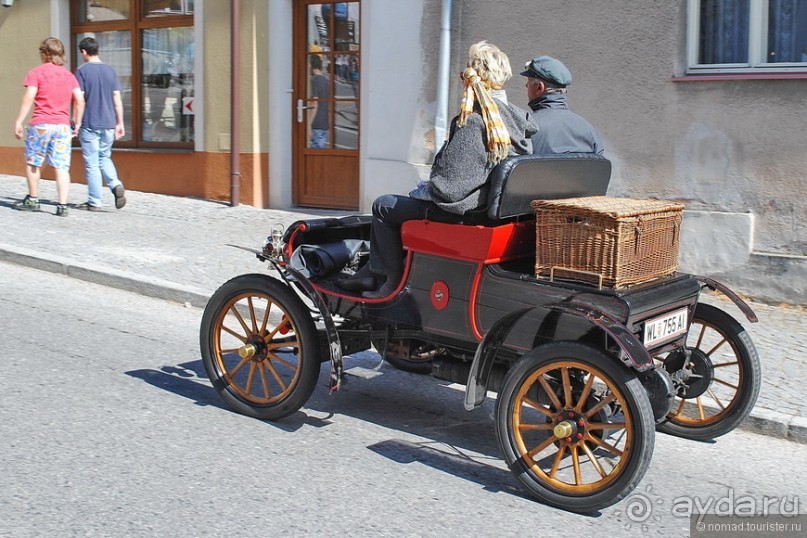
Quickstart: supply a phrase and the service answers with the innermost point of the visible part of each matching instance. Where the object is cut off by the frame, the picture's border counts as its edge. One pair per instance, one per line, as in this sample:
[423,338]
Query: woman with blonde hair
[487,129]
[50,89]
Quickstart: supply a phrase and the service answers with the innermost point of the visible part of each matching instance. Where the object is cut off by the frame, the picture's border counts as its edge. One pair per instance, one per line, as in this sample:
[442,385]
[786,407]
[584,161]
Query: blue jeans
[96,147]
[319,138]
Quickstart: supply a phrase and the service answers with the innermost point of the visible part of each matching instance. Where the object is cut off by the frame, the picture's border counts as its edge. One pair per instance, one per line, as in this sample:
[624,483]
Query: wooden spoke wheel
[575,426]
[717,377]
[259,347]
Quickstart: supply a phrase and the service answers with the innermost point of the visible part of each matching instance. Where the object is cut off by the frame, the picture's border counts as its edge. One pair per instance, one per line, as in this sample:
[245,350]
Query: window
[150,44]
[747,36]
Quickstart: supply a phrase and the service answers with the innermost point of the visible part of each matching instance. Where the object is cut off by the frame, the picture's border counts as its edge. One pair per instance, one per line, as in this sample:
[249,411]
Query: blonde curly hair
[491,64]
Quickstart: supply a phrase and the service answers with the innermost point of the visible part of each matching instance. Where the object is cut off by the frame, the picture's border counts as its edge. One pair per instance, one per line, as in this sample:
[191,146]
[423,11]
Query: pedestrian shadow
[183,380]
[8,203]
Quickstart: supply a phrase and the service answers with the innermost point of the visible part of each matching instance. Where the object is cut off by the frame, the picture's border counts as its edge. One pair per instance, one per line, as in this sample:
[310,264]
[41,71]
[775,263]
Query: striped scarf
[498,137]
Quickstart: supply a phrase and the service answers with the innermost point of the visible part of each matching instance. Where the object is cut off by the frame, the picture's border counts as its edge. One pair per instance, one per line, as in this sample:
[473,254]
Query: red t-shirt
[55,85]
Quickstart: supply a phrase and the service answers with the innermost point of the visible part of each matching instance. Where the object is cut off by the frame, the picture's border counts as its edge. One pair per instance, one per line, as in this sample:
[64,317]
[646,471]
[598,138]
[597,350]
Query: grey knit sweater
[458,180]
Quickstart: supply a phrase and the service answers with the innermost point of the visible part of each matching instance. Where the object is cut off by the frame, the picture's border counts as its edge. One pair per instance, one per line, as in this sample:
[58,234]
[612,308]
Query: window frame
[136,22]
[757,46]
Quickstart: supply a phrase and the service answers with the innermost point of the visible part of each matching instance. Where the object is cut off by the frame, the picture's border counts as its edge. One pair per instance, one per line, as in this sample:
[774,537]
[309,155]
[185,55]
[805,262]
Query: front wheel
[717,377]
[259,347]
[575,426]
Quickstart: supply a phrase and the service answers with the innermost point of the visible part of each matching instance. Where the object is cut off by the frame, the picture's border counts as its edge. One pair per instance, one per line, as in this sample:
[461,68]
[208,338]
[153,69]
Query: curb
[766,422]
[105,276]
[761,421]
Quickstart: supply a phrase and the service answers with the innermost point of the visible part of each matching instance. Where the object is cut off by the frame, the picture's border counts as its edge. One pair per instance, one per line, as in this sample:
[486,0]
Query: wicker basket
[621,241]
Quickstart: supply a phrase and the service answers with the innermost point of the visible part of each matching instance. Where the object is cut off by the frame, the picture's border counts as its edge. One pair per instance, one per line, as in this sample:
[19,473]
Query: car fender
[633,353]
[334,343]
[722,288]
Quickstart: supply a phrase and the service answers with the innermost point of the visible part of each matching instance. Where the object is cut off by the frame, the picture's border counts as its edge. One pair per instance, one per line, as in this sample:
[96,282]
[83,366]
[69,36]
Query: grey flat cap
[549,69]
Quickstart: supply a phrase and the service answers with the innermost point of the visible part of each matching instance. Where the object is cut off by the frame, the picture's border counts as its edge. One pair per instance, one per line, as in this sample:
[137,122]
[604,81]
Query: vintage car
[585,372]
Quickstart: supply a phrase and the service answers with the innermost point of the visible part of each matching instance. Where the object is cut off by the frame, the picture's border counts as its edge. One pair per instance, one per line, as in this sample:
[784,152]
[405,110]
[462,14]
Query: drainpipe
[235,102]
[441,120]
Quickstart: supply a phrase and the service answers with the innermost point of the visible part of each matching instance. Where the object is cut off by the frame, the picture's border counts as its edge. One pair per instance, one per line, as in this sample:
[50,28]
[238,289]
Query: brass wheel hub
[570,426]
[254,349]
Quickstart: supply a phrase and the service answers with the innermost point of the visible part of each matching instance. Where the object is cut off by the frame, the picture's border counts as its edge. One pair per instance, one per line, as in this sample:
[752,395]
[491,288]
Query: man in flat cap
[561,130]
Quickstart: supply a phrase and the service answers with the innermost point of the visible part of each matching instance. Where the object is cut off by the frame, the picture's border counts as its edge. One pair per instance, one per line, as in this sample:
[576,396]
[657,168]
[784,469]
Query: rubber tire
[639,408]
[309,351]
[748,358]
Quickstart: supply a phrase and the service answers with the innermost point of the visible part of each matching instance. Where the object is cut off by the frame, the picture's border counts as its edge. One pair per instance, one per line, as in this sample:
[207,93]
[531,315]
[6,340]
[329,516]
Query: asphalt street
[110,428]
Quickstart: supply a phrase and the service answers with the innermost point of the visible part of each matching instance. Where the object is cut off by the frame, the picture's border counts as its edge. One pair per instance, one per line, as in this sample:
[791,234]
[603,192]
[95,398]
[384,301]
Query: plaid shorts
[49,142]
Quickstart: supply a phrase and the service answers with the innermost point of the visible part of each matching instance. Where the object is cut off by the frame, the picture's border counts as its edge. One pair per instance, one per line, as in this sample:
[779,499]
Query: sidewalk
[178,249]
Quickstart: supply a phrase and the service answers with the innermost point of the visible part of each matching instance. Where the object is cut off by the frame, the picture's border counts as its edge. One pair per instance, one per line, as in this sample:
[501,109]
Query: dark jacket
[561,130]
[458,180]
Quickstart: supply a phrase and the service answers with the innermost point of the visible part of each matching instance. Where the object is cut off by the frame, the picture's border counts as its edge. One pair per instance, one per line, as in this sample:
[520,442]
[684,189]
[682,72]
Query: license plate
[665,327]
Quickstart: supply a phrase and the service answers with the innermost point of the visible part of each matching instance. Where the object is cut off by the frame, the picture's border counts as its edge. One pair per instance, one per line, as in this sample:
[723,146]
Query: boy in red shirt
[50,88]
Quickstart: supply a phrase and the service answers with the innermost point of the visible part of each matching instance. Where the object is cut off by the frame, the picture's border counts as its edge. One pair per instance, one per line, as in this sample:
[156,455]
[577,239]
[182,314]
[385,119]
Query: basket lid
[611,205]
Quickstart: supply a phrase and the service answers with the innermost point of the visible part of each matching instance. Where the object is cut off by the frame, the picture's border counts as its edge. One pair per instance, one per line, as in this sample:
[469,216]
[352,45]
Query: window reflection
[347,75]
[346,128]
[102,10]
[319,103]
[167,85]
[163,8]
[333,37]
[335,25]
[115,49]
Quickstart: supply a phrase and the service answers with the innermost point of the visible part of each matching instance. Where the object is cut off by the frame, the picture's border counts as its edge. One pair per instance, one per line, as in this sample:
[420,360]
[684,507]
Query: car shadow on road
[455,463]
[189,380]
[452,440]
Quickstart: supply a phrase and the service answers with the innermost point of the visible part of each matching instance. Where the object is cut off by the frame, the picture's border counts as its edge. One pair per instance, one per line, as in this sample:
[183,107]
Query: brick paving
[179,249]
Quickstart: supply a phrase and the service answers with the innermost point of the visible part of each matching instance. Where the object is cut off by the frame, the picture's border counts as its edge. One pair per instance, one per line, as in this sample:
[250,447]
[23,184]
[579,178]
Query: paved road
[179,249]
[109,428]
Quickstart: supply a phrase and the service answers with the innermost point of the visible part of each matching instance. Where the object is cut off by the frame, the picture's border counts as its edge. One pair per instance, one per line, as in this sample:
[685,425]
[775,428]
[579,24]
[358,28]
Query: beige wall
[20,54]
[253,80]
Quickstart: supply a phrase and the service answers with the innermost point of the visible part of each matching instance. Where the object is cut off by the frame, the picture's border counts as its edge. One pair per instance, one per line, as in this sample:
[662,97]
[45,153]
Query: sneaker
[27,204]
[86,206]
[61,210]
[120,196]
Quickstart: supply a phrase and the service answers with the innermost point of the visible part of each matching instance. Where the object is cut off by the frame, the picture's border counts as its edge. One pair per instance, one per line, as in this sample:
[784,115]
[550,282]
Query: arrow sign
[187,106]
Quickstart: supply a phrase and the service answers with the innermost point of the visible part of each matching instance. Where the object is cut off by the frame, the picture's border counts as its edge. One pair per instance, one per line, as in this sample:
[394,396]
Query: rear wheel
[259,347]
[575,427]
[717,377]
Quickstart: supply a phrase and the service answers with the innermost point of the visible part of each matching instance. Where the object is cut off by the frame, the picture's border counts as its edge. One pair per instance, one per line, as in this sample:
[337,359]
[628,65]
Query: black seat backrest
[518,180]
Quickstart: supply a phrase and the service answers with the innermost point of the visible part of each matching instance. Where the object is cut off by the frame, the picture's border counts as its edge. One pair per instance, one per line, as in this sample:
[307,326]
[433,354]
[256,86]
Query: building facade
[338,102]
